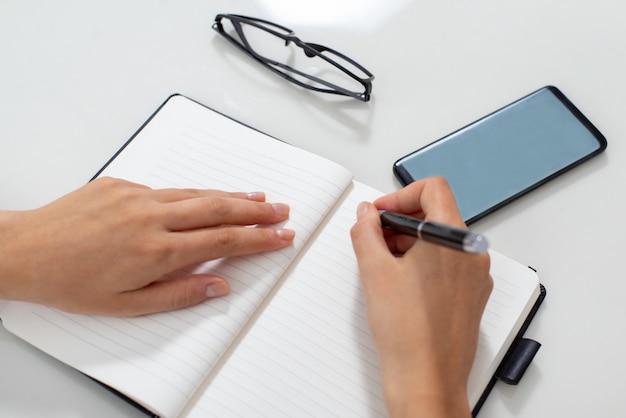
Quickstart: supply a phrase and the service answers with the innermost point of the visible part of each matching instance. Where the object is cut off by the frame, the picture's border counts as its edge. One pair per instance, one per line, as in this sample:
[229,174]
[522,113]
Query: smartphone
[507,153]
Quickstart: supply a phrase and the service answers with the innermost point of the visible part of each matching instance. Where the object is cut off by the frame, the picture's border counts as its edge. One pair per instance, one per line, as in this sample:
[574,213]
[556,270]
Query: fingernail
[215,289]
[281,209]
[285,234]
[362,209]
[256,196]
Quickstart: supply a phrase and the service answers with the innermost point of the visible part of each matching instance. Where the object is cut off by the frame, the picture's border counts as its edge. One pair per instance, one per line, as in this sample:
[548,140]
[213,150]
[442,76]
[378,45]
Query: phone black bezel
[403,175]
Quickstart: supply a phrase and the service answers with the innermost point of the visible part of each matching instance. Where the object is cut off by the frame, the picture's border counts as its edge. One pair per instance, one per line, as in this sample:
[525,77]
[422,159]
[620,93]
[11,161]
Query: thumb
[367,238]
[182,292]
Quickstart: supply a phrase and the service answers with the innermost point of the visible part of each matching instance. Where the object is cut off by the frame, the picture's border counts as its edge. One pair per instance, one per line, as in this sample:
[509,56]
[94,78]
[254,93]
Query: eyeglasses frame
[310,49]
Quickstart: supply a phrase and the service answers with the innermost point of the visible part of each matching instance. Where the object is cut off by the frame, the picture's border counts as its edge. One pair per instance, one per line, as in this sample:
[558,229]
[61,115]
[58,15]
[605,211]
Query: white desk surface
[78,78]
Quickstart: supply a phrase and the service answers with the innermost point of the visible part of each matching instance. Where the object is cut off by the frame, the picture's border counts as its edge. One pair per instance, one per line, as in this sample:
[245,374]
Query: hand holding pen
[424,302]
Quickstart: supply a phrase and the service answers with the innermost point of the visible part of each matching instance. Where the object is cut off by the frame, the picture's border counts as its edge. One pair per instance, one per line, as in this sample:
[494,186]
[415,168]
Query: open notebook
[292,337]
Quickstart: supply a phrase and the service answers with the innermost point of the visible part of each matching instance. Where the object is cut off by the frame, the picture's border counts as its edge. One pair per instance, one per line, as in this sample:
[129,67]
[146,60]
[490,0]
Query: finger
[171,294]
[174,195]
[399,243]
[431,198]
[214,211]
[368,241]
[196,246]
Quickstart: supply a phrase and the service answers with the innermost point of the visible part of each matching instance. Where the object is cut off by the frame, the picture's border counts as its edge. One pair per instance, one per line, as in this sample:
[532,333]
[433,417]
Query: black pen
[450,236]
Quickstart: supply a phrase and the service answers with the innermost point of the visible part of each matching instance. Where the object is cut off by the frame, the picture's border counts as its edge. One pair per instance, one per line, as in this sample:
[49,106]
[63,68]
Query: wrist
[419,388]
[9,262]
[411,401]
[428,405]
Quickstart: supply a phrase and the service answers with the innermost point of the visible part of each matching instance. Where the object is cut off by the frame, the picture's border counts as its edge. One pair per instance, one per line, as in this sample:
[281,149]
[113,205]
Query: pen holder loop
[517,360]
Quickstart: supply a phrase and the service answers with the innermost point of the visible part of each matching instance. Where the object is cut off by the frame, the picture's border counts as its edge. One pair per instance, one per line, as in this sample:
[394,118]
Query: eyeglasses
[273,46]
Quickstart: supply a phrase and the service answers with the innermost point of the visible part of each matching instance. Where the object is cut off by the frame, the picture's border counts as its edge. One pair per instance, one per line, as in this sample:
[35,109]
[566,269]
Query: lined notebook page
[159,360]
[310,354]
[515,291]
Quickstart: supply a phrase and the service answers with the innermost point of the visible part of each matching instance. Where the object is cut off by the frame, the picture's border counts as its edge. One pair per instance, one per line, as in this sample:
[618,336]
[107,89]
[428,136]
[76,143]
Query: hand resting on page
[103,248]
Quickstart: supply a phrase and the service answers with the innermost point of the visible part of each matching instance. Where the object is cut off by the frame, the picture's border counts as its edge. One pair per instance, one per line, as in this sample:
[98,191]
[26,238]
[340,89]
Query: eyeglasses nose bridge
[289,38]
[315,47]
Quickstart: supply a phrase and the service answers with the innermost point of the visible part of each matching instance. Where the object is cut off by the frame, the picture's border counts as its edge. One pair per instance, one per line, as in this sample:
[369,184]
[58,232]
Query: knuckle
[106,181]
[225,237]
[269,237]
[218,206]
[193,193]
[356,230]
[182,297]
[363,228]
[162,251]
[439,181]
[265,238]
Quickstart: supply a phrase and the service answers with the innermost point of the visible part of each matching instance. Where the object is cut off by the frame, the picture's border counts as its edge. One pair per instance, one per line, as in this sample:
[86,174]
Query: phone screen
[507,153]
